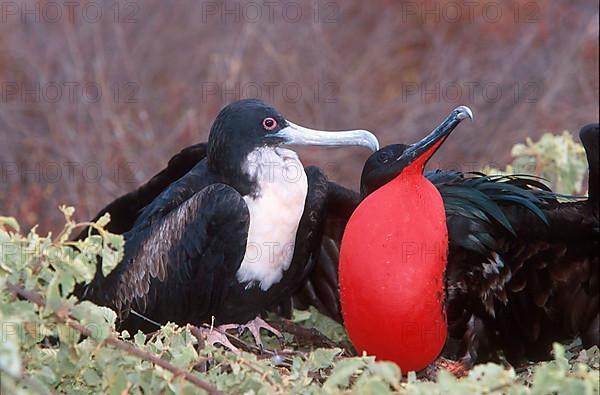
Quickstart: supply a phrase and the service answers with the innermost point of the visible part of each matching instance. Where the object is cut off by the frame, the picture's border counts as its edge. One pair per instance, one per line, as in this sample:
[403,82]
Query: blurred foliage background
[558,159]
[394,67]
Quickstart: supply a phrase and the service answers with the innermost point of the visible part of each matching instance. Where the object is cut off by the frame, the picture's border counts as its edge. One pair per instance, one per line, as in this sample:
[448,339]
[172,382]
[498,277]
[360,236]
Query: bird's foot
[457,368]
[214,336]
[254,326]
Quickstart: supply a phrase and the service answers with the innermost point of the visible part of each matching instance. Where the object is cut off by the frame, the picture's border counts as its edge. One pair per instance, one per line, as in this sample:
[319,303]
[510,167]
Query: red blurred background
[97,97]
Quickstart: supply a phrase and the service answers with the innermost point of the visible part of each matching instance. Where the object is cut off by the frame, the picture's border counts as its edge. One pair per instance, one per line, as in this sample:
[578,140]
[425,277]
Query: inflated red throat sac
[393,257]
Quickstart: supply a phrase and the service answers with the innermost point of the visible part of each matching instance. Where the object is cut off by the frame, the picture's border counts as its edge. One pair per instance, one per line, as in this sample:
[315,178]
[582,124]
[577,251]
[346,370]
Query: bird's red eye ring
[269,123]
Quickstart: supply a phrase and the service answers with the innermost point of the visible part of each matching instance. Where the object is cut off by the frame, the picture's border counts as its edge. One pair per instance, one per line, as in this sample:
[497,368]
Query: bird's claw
[214,336]
[254,326]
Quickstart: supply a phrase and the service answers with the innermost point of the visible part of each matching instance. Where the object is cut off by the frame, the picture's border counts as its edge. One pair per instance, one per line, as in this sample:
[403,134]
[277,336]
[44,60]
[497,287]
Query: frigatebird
[522,267]
[393,257]
[226,230]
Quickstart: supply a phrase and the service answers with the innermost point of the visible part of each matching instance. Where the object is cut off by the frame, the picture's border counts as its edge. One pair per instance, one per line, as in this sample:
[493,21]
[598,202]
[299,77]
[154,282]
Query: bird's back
[520,281]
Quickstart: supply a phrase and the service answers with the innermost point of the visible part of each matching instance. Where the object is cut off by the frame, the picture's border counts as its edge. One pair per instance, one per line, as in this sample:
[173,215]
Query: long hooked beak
[419,153]
[299,135]
[411,160]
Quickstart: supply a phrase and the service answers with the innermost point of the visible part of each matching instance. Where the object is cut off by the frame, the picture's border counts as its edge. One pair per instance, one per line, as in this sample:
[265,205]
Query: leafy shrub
[559,159]
[43,348]
[52,343]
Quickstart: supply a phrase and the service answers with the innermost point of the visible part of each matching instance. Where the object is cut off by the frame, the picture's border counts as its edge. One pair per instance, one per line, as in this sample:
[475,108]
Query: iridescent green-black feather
[474,204]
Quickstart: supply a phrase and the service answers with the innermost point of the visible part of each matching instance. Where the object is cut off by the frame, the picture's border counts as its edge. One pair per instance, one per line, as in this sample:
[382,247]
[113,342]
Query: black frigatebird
[226,230]
[522,267]
[399,233]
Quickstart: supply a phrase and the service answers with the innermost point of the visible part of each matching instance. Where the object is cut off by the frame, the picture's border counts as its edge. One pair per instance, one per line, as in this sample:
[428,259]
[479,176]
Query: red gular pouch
[393,256]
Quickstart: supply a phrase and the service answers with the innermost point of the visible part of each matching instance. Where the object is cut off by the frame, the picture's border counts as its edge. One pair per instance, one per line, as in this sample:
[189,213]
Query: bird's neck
[269,166]
[419,216]
[276,206]
[226,161]
[245,170]
[407,182]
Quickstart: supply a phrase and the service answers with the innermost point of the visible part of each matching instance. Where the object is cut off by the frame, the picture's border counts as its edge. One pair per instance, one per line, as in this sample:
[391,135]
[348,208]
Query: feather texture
[522,269]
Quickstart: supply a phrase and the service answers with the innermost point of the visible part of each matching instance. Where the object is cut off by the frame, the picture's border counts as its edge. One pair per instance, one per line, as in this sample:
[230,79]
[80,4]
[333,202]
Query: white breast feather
[274,214]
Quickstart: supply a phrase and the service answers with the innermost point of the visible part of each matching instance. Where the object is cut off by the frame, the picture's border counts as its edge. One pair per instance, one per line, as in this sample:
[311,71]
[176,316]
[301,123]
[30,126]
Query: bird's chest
[391,271]
[275,213]
[406,227]
[399,232]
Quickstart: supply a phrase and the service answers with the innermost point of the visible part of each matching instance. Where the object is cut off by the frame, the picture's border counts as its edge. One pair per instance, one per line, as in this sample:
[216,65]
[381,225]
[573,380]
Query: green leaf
[104,220]
[10,360]
[388,371]
[53,297]
[340,376]
[116,382]
[328,327]
[99,320]
[323,358]
[82,268]
[139,339]
[91,377]
[10,222]
[371,385]
[112,252]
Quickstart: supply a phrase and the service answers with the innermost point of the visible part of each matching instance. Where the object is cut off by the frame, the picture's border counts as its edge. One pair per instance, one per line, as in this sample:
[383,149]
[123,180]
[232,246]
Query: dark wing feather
[476,207]
[544,284]
[532,290]
[321,288]
[474,211]
[177,267]
[124,210]
[519,261]
[523,266]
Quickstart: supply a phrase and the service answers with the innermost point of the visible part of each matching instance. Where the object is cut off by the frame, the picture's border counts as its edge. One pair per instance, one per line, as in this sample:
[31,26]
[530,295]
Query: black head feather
[375,173]
[238,129]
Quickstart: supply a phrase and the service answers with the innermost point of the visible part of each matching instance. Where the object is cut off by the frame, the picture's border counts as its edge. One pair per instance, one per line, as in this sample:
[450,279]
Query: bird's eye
[269,123]
[383,157]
